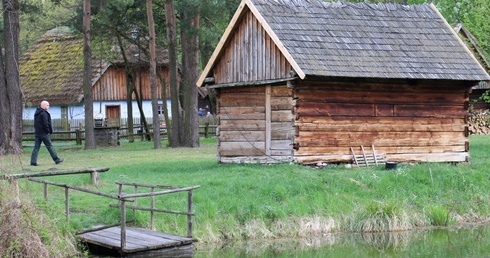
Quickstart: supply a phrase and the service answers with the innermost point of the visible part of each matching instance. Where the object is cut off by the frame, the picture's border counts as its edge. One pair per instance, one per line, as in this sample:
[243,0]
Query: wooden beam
[268,118]
[256,159]
[176,190]
[112,196]
[316,151]
[395,126]
[94,174]
[252,83]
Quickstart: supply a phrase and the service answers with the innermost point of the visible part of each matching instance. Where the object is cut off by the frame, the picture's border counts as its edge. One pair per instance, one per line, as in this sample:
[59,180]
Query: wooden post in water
[189,216]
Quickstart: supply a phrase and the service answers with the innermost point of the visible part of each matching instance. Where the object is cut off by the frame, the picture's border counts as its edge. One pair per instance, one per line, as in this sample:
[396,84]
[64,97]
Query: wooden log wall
[406,122]
[112,84]
[251,56]
[255,124]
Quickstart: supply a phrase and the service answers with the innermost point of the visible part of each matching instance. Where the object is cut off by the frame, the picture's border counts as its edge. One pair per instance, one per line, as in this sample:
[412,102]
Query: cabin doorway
[113,115]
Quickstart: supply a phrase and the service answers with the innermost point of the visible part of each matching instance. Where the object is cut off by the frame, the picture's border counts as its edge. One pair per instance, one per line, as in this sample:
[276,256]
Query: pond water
[447,243]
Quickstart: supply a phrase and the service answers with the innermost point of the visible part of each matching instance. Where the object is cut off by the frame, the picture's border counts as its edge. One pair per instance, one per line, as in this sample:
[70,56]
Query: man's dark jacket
[42,122]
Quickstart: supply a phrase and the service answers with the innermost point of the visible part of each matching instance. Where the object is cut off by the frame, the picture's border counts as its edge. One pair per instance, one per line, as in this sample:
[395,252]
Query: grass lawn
[249,201]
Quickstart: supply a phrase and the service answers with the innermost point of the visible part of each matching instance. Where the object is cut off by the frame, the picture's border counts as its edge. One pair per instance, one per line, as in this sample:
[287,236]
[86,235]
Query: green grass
[251,201]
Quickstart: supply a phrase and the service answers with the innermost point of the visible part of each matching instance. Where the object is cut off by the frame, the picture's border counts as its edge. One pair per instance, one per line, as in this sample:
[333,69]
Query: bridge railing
[122,198]
[133,197]
[94,174]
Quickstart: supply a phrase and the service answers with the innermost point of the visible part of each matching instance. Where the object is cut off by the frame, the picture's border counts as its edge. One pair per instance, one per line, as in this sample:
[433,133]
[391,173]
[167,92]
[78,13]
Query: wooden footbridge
[119,239]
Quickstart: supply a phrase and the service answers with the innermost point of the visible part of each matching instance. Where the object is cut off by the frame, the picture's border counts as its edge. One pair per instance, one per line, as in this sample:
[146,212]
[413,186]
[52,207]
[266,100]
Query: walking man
[43,130]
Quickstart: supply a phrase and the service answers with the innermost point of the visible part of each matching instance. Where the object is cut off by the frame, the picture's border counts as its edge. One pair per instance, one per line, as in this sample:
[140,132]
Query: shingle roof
[369,40]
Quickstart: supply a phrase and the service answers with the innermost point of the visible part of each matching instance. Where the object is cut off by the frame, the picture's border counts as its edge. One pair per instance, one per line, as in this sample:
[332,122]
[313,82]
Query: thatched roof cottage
[53,70]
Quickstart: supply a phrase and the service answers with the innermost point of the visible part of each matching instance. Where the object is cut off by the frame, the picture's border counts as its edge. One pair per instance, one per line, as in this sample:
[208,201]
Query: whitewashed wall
[78,112]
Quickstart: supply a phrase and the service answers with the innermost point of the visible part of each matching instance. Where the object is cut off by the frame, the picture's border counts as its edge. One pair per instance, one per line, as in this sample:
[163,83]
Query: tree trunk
[129,103]
[130,82]
[176,127]
[190,73]
[4,109]
[12,132]
[164,97]
[139,102]
[153,80]
[87,78]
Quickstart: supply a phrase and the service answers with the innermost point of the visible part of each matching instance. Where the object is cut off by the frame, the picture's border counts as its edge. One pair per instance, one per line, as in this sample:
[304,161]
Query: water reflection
[460,242]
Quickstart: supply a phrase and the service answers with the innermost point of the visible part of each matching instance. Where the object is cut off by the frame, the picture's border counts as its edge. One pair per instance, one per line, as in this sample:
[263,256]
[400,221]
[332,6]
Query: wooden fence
[78,135]
[74,124]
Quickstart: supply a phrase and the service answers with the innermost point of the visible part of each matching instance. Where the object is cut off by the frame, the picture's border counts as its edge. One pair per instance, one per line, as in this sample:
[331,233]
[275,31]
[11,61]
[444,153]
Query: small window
[161,110]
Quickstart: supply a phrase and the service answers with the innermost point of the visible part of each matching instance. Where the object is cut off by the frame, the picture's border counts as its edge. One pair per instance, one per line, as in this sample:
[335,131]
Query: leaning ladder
[363,159]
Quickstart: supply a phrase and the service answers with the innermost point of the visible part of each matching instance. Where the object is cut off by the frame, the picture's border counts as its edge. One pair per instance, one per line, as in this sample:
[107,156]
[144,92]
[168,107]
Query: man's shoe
[33,164]
[59,161]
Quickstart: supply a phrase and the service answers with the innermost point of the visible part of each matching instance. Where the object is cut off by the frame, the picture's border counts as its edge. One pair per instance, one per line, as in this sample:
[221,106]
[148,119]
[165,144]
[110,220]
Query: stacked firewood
[479,122]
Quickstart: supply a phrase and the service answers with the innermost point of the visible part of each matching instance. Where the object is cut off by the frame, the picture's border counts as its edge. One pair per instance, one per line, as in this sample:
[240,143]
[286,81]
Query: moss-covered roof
[53,69]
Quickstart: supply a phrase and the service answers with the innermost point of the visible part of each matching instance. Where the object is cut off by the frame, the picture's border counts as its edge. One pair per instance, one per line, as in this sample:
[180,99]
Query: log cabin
[52,69]
[309,82]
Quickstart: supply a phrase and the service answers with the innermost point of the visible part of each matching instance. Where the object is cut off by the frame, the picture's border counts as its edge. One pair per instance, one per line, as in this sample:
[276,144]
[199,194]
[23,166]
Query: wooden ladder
[363,159]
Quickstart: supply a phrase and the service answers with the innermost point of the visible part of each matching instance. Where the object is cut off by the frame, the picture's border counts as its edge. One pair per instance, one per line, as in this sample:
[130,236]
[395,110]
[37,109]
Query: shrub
[439,215]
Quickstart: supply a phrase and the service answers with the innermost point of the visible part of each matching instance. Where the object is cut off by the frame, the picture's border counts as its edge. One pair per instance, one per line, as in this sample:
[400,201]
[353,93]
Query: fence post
[67,205]
[135,203]
[78,137]
[120,190]
[122,202]
[189,214]
[206,130]
[95,177]
[46,192]
[80,127]
[152,213]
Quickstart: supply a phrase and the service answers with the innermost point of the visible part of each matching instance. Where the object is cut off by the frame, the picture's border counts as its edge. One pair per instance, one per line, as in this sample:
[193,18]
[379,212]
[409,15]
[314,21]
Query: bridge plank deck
[137,239]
